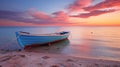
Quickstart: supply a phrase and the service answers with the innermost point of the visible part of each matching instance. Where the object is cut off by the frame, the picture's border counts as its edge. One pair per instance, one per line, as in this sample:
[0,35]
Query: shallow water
[96,42]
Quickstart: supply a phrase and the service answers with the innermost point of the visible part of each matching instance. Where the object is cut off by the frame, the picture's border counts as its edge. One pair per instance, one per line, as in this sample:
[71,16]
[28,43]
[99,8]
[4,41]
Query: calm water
[96,42]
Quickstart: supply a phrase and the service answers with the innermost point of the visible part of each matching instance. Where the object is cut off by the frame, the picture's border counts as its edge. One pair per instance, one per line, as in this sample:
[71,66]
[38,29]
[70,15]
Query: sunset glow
[60,13]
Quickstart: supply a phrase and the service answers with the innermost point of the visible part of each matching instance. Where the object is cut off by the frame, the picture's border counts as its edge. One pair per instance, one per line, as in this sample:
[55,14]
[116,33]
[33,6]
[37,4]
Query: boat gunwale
[52,34]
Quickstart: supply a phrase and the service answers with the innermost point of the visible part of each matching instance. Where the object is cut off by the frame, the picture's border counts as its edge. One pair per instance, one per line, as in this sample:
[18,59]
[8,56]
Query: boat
[26,39]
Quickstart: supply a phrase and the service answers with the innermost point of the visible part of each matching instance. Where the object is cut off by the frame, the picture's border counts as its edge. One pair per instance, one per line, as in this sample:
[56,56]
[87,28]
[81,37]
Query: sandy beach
[34,59]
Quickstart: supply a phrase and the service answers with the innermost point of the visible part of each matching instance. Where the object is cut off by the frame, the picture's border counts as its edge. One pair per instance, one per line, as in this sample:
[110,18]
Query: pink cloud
[60,16]
[104,4]
[95,10]
[39,15]
[94,13]
[56,17]
[79,4]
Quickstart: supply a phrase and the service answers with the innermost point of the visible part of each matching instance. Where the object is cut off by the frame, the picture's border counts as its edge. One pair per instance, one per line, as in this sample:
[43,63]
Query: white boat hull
[28,40]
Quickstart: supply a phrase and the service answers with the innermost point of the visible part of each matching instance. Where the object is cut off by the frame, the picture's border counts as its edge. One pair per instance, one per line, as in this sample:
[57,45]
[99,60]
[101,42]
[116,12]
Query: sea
[94,42]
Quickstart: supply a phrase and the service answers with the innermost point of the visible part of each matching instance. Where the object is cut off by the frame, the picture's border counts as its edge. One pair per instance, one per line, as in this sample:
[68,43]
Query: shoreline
[34,59]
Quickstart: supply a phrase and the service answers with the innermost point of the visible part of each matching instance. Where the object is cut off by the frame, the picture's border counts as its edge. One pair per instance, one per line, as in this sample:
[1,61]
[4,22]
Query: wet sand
[35,59]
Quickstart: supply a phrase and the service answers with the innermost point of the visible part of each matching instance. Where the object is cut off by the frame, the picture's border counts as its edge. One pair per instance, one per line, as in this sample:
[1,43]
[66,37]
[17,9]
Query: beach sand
[34,59]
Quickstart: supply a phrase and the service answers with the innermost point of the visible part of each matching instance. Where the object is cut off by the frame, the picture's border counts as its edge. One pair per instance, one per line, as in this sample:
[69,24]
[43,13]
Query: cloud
[35,17]
[20,17]
[94,10]
[104,4]
[60,16]
[56,17]
[10,15]
[94,13]
[39,15]
[16,16]
[79,4]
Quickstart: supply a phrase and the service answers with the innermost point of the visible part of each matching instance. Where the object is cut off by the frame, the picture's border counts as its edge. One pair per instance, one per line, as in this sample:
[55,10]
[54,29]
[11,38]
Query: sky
[59,12]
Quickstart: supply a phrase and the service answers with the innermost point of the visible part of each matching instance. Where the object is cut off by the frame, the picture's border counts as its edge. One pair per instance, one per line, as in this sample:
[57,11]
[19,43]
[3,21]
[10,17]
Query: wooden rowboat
[26,39]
